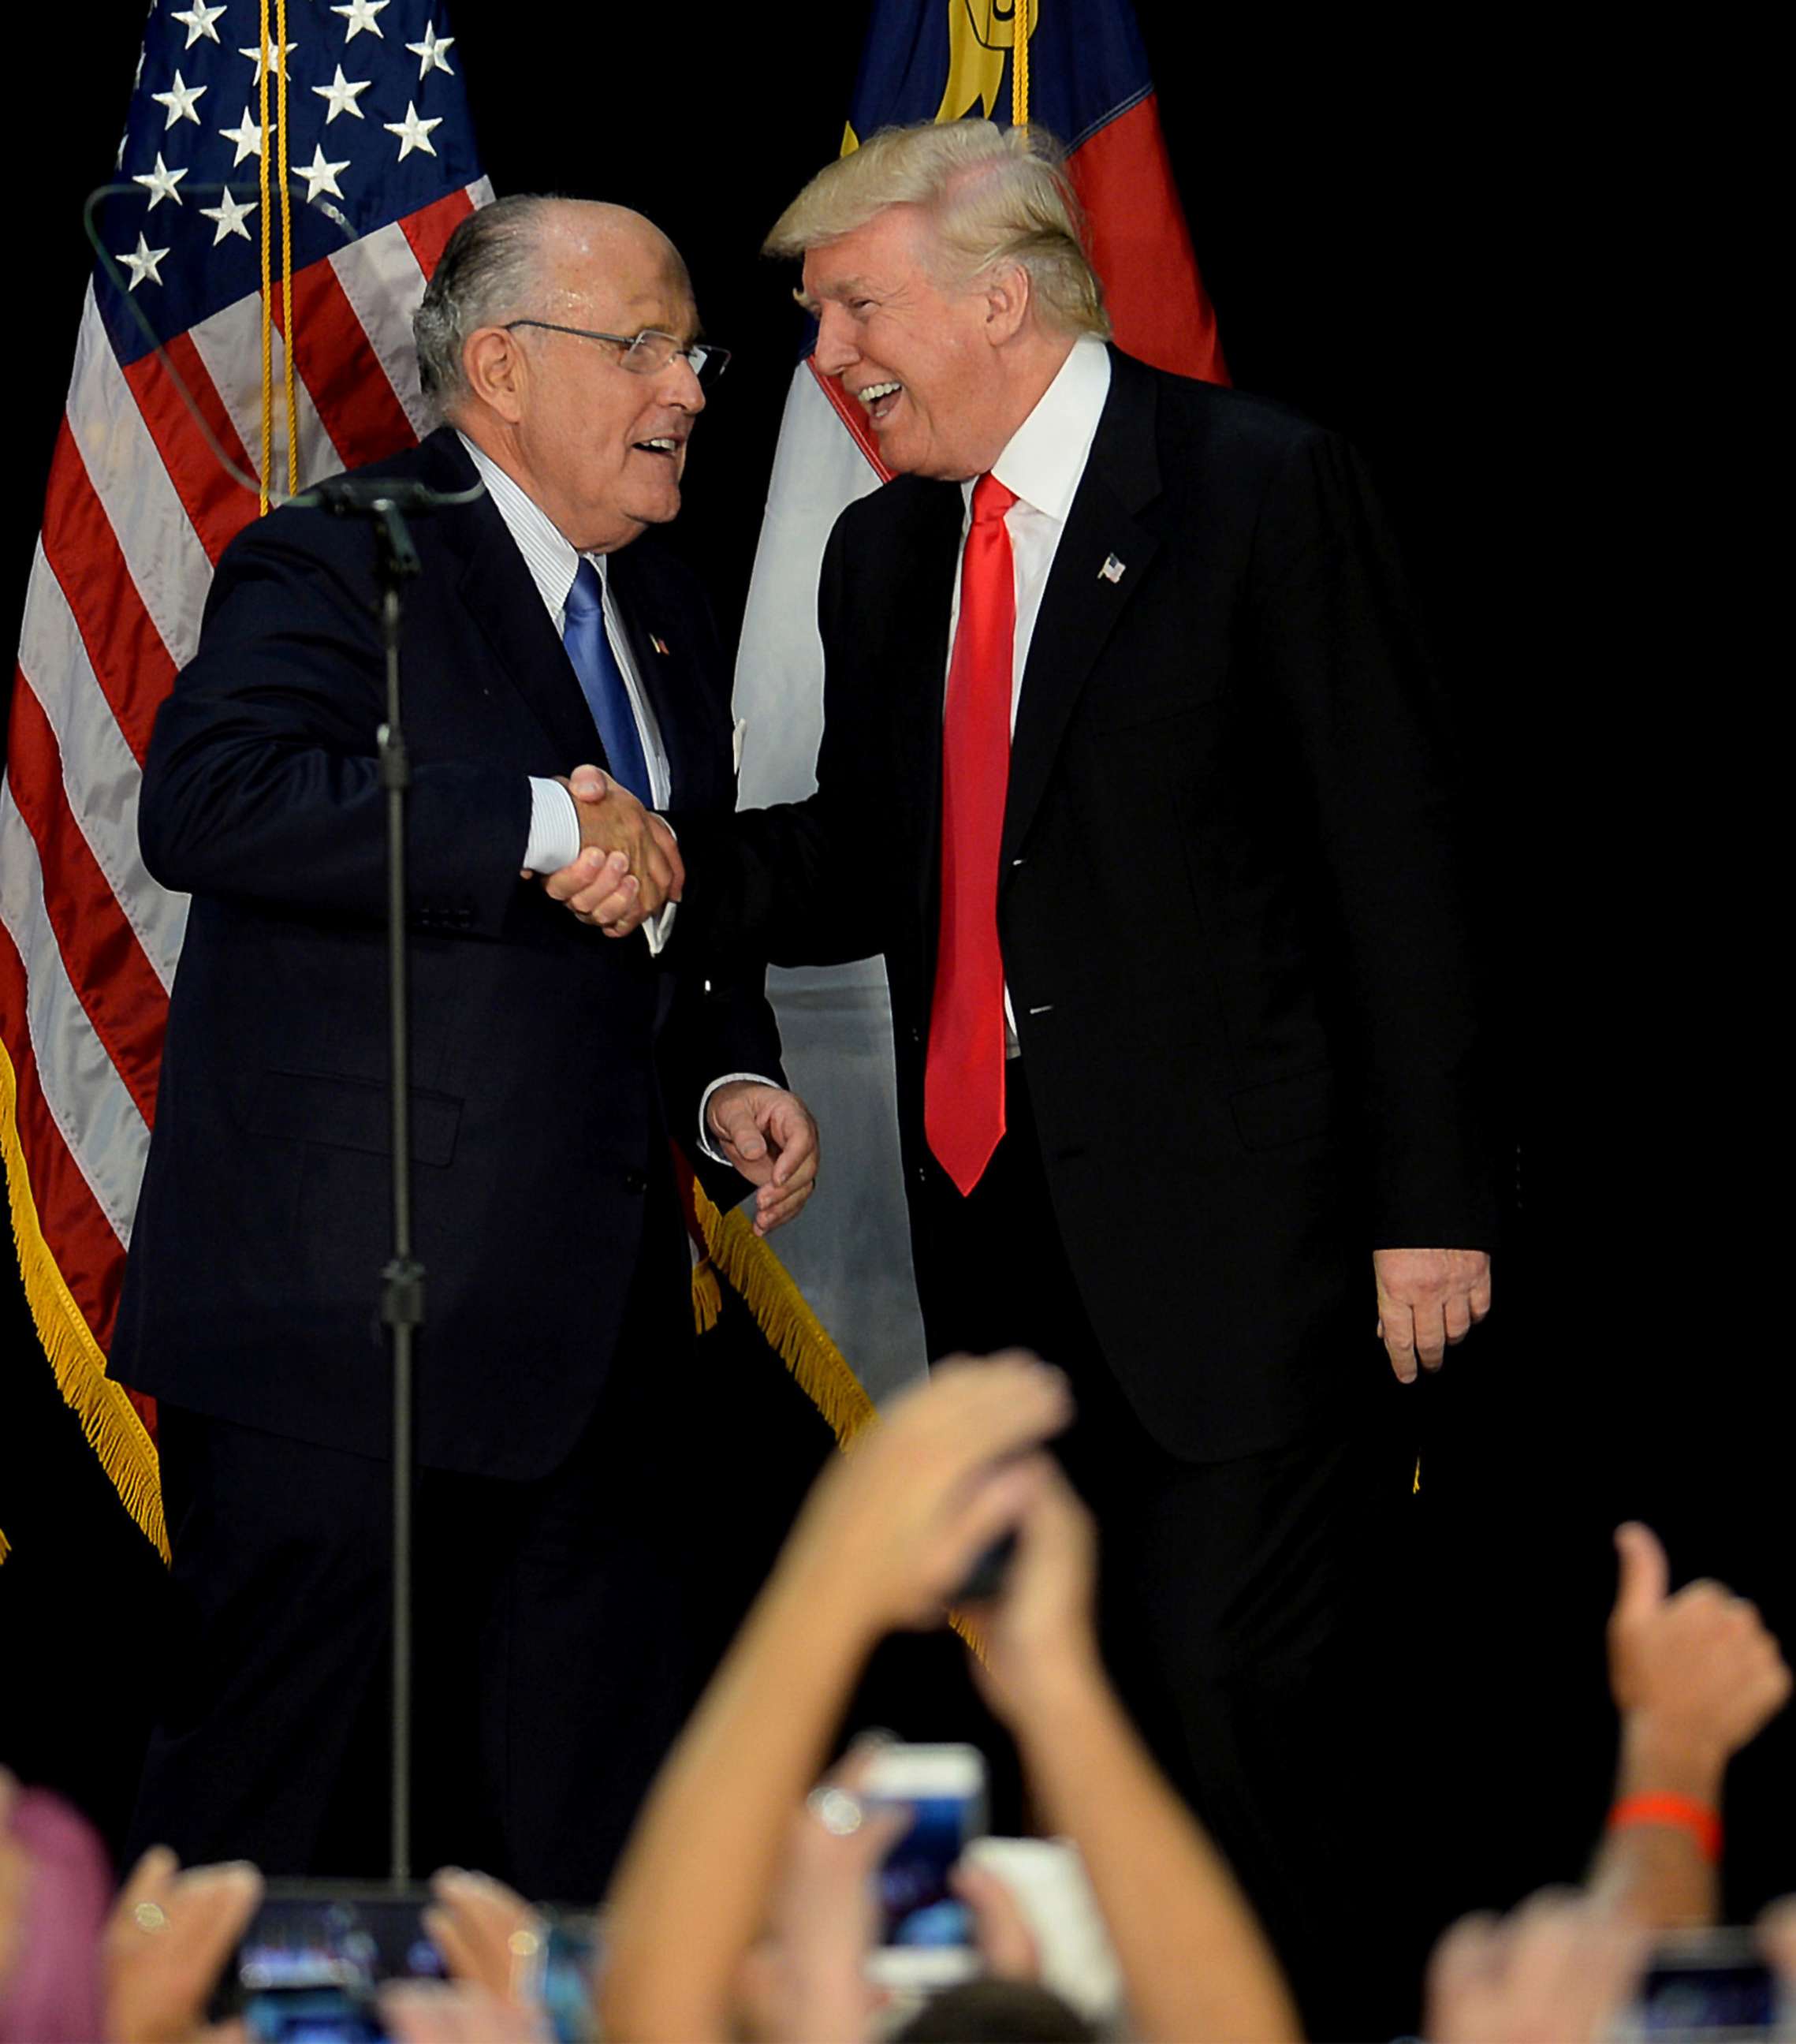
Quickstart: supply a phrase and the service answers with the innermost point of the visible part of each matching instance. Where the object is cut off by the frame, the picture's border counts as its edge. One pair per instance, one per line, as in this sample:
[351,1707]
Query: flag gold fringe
[6,1545]
[108,1418]
[785,1318]
[751,1269]
[707,1297]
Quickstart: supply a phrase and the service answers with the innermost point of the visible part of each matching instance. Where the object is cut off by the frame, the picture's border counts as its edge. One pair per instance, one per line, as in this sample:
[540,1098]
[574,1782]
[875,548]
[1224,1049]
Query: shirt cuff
[729,1078]
[554,828]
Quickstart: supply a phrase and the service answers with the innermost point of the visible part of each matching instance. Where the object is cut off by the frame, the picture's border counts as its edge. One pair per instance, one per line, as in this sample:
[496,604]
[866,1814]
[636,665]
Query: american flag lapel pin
[1112,569]
[660,645]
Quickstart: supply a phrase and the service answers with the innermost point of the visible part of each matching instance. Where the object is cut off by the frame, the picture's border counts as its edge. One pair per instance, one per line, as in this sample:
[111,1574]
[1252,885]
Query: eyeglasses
[648,353]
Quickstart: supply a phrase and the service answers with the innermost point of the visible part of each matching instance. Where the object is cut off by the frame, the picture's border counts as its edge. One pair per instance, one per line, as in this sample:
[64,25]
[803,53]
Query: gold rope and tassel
[784,1316]
[275,54]
[262,169]
[737,1254]
[1024,28]
[108,1419]
[286,244]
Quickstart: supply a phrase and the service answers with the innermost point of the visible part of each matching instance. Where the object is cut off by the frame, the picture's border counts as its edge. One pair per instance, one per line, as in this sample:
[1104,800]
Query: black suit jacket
[1231,927]
[549,1065]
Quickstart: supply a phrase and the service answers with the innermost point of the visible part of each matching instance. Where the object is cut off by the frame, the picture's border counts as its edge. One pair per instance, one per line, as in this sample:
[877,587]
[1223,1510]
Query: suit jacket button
[635,1182]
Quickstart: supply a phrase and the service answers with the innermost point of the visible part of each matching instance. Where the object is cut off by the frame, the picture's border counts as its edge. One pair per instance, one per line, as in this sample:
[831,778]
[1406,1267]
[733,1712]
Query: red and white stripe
[154,471]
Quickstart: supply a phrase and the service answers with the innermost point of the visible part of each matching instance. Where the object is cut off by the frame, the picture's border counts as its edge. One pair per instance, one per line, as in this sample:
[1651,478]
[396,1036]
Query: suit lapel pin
[660,645]
[1112,569]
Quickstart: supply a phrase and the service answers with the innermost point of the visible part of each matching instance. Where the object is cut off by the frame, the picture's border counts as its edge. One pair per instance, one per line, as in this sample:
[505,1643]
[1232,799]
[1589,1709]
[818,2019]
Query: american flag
[157,466]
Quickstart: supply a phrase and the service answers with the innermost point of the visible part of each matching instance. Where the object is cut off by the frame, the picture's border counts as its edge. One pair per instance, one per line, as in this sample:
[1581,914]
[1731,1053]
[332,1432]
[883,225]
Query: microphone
[357,496]
[388,502]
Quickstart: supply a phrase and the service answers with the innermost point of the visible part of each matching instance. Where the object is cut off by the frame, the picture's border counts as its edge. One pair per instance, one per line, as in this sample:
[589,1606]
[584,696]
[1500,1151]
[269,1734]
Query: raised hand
[1695,1675]
[1555,1972]
[488,1935]
[1041,1630]
[952,1465]
[807,1977]
[166,1943]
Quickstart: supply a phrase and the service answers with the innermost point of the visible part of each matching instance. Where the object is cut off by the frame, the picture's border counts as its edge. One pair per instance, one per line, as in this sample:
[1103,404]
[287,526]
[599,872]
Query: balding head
[506,261]
[577,243]
[523,344]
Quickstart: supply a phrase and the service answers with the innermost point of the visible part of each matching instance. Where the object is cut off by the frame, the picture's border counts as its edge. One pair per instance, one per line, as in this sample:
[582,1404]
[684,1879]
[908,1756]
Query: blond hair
[993,195]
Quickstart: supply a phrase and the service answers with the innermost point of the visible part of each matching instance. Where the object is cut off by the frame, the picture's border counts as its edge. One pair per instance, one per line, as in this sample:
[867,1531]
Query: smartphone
[315,1954]
[564,1984]
[313,2016]
[926,1937]
[1710,1985]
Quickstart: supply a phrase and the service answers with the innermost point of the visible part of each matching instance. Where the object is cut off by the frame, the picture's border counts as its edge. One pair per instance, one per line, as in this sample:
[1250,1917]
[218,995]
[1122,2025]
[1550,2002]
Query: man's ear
[495,370]
[1009,296]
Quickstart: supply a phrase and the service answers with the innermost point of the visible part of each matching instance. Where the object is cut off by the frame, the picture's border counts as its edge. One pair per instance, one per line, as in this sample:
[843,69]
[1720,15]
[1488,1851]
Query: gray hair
[487,268]
[994,196]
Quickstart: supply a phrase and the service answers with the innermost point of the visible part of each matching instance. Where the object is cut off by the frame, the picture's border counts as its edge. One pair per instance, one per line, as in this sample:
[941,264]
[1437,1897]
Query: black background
[1516,267]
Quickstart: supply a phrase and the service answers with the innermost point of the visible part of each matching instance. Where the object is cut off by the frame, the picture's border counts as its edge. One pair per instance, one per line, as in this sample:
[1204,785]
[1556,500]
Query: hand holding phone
[927,1933]
[314,1957]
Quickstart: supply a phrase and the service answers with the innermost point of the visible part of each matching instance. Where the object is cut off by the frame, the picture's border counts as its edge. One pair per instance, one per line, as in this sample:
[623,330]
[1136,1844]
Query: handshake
[628,867]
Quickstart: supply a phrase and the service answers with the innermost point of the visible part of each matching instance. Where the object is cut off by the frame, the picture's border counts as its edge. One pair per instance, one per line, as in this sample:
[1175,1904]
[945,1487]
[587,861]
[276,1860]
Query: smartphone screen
[1711,1985]
[311,1959]
[927,1932]
[340,1940]
[313,2015]
[566,1986]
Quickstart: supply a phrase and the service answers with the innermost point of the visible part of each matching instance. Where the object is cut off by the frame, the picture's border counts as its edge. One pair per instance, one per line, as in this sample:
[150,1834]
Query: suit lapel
[657,659]
[504,601]
[912,662]
[1082,602]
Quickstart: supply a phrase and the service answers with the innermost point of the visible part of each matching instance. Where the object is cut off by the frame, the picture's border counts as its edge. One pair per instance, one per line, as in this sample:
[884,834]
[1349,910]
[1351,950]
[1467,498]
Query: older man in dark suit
[1132,768]
[559,1574]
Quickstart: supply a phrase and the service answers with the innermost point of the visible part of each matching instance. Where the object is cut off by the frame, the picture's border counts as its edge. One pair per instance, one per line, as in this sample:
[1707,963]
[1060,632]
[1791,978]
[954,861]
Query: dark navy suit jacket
[1232,929]
[550,1065]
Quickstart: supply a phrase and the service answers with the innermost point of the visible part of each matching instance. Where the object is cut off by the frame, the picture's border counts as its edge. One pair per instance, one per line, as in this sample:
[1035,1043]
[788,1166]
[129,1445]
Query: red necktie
[963,1079]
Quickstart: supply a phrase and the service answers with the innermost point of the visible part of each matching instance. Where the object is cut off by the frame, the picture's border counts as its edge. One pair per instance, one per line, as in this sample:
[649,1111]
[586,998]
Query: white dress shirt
[1042,466]
[553,562]
[555,822]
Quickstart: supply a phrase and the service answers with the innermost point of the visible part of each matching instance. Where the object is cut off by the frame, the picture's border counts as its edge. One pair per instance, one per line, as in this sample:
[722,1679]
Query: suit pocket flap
[351,1114]
[1284,1110]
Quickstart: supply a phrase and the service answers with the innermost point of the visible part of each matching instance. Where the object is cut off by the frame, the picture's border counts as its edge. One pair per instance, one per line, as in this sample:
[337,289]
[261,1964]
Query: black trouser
[1253,1611]
[563,1627]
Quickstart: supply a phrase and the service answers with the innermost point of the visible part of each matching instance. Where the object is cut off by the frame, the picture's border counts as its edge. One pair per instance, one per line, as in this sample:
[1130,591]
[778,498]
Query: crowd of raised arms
[745,1904]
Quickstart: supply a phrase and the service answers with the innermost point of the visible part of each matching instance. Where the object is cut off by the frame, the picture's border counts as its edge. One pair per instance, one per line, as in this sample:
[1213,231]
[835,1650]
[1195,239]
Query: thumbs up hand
[1694,1675]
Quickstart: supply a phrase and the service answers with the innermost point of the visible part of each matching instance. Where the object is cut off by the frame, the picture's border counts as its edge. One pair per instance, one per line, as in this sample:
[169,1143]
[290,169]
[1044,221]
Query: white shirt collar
[552,560]
[1046,455]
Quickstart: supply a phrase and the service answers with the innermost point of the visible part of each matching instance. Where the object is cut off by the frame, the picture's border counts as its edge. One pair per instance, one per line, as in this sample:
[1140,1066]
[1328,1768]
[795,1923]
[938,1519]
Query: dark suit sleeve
[1347,676]
[261,782]
[717,1027]
[798,883]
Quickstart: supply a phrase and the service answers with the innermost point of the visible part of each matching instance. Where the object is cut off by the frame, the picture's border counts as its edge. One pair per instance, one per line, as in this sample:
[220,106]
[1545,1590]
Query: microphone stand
[402,1279]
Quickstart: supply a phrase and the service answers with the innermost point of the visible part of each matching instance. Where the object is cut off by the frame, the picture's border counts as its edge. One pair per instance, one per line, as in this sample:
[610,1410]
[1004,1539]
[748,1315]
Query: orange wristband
[1662,1806]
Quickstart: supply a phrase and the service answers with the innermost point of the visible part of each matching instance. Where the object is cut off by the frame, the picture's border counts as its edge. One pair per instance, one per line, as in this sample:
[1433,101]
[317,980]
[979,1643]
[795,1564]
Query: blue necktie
[589,647]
